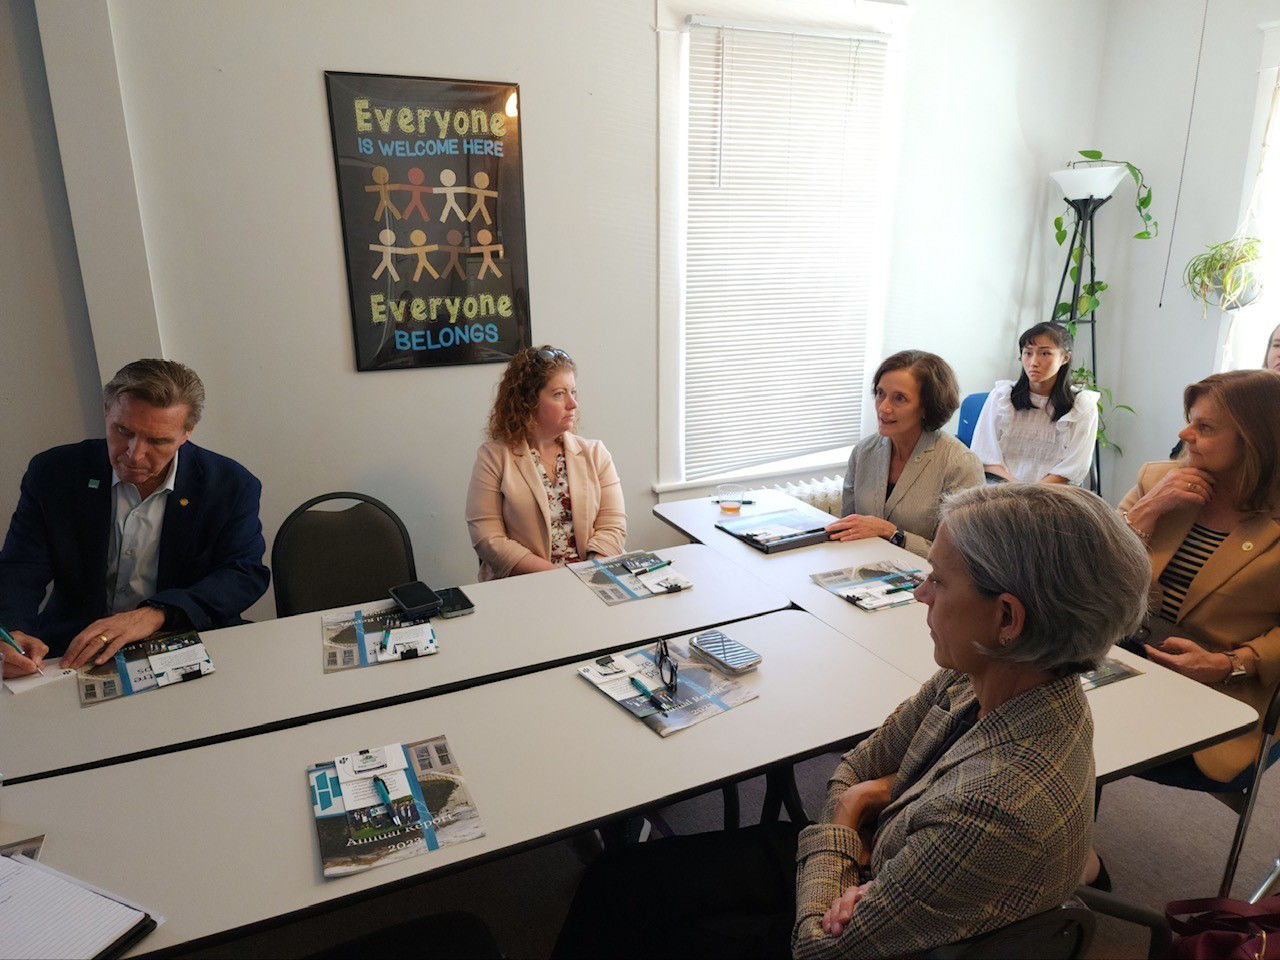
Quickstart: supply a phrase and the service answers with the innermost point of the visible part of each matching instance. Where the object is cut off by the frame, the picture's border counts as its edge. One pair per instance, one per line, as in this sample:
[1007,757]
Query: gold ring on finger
[103,638]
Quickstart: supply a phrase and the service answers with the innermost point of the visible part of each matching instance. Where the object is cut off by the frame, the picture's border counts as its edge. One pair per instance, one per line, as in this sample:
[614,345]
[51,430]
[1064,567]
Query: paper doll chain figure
[481,180]
[484,236]
[380,187]
[388,237]
[415,189]
[419,241]
[449,178]
[454,251]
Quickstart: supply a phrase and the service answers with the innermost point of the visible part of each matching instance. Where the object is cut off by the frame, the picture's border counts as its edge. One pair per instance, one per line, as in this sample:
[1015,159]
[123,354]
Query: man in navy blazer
[131,544]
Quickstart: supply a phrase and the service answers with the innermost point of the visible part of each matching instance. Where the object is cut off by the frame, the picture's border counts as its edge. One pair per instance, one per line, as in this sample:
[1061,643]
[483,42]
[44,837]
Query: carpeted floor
[1160,844]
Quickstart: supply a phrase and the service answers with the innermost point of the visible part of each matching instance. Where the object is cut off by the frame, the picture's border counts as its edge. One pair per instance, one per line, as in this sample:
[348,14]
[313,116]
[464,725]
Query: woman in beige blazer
[1211,524]
[899,475]
[541,496]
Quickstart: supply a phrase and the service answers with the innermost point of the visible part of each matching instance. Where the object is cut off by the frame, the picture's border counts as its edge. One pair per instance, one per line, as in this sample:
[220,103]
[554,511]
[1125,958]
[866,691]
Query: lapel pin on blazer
[183,502]
[93,484]
[1247,545]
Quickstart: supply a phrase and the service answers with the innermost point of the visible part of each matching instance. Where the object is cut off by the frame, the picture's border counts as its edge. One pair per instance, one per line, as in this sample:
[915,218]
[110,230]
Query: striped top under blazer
[996,830]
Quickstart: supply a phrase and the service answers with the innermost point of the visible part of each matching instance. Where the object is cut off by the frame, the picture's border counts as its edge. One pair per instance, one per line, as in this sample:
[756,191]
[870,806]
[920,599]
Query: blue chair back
[970,409]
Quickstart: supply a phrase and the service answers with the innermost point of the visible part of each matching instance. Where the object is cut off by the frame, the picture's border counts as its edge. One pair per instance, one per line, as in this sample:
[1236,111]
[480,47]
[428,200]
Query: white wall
[227,143]
[1151,351]
[48,373]
[992,105]
[229,136]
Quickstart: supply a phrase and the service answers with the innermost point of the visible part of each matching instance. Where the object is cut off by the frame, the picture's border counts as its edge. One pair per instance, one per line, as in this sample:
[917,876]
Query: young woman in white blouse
[1039,428]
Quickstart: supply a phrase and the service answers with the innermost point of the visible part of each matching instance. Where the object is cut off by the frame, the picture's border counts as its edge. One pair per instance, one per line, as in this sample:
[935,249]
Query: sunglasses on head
[550,354]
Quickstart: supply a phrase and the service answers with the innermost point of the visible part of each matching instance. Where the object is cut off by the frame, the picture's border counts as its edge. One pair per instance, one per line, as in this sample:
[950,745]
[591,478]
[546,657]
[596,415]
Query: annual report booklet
[157,662]
[1109,671]
[383,804]
[700,691]
[781,529]
[872,586]
[630,576]
[377,633]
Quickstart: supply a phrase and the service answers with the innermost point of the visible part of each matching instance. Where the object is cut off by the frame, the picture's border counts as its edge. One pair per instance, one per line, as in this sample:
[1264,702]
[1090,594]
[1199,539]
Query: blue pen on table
[658,566]
[384,795]
[7,637]
[653,699]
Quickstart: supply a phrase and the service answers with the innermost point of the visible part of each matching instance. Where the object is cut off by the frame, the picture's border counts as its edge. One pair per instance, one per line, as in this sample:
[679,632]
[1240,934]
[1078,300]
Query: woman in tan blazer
[898,475]
[1211,524]
[541,496]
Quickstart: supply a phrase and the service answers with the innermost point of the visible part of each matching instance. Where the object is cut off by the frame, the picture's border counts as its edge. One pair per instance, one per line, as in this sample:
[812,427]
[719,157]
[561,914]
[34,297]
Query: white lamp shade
[1079,183]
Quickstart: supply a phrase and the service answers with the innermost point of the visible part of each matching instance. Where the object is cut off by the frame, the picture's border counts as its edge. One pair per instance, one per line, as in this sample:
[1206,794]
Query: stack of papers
[384,804]
[873,586]
[375,634]
[158,662]
[700,693]
[630,576]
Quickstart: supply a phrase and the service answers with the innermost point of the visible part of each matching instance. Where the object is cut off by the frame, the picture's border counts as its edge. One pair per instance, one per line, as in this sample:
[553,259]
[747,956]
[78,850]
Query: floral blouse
[564,547]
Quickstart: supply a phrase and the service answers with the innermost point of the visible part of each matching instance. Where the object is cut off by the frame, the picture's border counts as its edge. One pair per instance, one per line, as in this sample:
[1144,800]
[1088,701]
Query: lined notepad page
[86,922]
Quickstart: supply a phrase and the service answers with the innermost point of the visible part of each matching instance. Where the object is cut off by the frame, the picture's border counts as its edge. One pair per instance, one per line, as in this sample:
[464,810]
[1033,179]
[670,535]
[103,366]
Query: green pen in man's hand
[7,637]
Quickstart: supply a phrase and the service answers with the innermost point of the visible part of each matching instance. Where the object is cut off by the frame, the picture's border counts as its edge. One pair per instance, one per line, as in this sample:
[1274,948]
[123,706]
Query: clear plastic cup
[730,496]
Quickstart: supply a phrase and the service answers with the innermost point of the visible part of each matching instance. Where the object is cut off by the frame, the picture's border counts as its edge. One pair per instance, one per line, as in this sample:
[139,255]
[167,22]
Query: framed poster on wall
[431,192]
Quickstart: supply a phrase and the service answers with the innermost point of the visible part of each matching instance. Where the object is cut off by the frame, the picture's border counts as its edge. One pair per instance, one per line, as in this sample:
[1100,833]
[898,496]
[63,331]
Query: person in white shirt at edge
[1041,428]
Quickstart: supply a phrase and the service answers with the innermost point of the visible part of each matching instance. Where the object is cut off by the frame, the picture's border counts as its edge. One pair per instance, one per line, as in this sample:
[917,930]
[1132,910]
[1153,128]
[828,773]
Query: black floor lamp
[1085,189]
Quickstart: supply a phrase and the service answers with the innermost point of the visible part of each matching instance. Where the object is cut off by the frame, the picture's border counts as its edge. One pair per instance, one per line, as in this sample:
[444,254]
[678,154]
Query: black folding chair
[336,558]
[1061,933]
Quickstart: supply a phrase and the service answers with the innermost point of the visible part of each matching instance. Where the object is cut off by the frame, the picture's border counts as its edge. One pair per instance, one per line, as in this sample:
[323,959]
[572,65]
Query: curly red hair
[517,398]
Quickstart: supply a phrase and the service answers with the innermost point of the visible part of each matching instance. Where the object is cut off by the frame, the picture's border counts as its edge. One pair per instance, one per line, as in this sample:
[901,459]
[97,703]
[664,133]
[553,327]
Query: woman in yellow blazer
[541,496]
[1211,524]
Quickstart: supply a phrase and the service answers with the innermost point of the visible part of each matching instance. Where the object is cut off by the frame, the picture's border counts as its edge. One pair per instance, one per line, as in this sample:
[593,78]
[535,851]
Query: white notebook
[89,924]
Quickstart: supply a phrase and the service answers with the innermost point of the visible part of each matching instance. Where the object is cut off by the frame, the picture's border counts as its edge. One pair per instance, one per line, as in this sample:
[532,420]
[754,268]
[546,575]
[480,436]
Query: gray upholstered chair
[336,558]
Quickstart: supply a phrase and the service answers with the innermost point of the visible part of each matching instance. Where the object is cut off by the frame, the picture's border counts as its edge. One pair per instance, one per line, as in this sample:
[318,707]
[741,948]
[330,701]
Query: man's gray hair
[160,383]
[1080,572]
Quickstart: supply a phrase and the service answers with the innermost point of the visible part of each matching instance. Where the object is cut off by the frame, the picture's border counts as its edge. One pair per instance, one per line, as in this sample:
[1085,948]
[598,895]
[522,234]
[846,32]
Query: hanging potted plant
[1226,275]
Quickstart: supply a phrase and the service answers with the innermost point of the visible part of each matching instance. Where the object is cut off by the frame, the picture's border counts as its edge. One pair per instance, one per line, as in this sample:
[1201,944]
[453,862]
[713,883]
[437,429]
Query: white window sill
[803,467]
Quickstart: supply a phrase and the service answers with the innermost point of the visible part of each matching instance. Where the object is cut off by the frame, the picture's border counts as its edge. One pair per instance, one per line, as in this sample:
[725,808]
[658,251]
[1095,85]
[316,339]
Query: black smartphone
[416,599]
[455,603]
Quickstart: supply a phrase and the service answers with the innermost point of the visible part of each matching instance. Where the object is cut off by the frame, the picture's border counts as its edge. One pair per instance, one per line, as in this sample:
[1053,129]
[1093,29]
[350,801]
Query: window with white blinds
[783,236]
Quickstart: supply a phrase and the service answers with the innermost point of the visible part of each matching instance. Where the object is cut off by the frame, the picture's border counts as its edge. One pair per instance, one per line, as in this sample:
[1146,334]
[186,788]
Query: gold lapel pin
[1247,545]
[183,502]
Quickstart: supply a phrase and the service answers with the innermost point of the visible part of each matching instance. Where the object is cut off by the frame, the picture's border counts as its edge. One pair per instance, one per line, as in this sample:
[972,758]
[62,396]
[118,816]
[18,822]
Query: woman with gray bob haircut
[1081,576]
[971,807]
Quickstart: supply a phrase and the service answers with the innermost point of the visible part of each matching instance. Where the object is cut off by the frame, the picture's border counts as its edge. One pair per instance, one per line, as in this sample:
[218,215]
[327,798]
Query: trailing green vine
[1085,379]
[1090,292]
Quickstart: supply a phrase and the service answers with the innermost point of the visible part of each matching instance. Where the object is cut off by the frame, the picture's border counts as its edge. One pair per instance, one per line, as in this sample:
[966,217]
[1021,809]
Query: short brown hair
[939,392]
[160,383]
[522,381]
[1250,399]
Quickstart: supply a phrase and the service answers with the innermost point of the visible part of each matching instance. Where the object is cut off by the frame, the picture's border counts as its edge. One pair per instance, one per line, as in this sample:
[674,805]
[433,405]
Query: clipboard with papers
[779,530]
[91,922]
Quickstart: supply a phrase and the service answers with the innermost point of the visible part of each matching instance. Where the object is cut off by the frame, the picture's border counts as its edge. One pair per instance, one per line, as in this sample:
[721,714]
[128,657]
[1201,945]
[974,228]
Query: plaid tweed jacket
[995,831]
